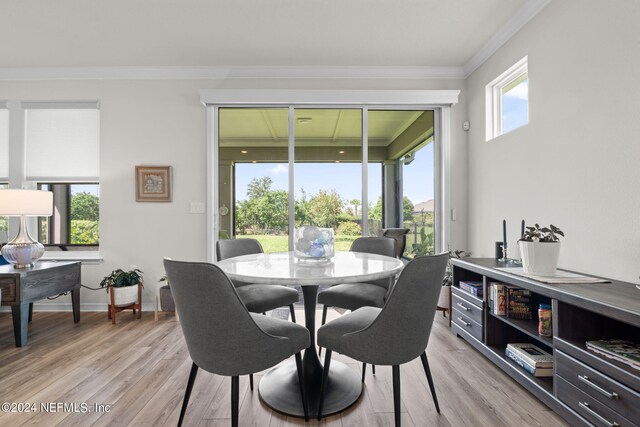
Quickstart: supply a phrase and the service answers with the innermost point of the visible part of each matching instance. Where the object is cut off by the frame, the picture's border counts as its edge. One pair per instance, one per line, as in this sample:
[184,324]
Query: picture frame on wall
[153,183]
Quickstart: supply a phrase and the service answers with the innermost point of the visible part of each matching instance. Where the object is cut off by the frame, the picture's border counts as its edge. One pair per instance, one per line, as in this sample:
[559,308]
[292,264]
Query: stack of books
[498,298]
[518,303]
[627,352]
[531,358]
[474,288]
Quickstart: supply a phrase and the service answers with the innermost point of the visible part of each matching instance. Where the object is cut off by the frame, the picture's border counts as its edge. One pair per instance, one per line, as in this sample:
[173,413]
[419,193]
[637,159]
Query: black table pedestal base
[279,388]
[280,391]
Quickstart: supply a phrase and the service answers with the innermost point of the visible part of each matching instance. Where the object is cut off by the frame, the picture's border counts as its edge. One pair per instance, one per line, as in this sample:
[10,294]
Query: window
[75,218]
[59,152]
[508,100]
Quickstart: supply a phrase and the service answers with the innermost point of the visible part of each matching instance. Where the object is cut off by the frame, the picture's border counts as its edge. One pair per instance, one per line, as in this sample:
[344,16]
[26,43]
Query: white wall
[163,123]
[577,163]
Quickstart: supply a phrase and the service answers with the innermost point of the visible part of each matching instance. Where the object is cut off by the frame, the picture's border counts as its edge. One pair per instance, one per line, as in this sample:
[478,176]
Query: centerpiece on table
[540,248]
[313,244]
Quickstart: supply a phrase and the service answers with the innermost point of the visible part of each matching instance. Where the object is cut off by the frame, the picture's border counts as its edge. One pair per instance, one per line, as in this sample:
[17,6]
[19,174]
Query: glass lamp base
[22,255]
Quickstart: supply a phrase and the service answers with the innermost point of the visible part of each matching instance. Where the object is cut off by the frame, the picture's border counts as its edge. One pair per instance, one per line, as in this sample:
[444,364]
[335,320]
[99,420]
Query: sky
[515,106]
[345,178]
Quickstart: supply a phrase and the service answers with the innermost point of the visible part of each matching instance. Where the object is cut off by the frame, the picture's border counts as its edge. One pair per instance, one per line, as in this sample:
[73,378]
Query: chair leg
[293,313]
[396,393]
[324,319]
[425,365]
[325,378]
[251,381]
[301,382]
[235,398]
[364,370]
[187,393]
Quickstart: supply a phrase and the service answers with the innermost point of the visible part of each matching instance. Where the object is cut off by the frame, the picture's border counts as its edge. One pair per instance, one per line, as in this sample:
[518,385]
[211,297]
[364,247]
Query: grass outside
[274,243]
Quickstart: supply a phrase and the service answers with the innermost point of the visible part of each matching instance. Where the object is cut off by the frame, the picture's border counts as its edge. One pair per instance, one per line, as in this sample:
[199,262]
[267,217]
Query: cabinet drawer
[588,407]
[467,296]
[470,310]
[8,288]
[599,386]
[463,321]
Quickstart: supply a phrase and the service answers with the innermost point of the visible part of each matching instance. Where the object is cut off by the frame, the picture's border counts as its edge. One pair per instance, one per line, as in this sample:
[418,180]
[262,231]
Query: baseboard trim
[66,307]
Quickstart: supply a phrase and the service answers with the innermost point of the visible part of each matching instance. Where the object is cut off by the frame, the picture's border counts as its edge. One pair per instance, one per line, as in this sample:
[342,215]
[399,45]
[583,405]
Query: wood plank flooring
[140,368]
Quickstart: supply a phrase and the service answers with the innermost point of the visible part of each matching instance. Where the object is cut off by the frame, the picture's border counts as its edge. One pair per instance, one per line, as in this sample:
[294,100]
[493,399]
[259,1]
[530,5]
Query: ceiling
[224,33]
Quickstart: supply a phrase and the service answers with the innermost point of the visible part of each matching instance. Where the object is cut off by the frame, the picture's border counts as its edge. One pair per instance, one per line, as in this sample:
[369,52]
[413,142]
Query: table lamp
[23,251]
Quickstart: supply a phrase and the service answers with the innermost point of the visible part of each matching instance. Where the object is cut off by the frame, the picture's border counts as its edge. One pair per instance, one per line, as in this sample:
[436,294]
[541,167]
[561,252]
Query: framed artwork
[153,183]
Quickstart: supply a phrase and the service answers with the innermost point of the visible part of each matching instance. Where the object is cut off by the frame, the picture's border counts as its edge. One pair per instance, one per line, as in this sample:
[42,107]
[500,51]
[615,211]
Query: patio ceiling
[391,132]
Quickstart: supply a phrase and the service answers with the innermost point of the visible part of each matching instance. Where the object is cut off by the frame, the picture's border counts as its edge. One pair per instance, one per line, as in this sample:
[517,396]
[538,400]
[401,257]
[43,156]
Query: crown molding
[524,14]
[190,73]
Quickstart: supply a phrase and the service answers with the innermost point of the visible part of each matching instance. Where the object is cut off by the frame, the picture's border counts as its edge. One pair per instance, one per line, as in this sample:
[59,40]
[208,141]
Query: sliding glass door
[356,170]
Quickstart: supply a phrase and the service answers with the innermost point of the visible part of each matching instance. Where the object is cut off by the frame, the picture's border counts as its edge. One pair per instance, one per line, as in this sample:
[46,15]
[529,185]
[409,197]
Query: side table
[21,287]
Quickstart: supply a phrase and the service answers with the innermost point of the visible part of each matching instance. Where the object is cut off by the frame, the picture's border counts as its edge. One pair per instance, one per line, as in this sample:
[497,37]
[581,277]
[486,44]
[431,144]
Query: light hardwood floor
[140,368]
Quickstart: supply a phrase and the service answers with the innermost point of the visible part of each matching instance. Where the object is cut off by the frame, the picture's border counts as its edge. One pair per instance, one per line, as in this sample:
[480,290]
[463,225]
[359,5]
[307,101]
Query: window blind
[62,141]
[4,144]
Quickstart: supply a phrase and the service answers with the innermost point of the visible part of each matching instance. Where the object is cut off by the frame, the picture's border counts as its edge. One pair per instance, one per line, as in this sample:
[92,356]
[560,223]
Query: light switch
[196,207]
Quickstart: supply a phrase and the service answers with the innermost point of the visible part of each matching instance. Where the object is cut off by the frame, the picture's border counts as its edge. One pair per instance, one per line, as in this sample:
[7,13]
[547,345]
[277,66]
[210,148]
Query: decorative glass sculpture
[313,243]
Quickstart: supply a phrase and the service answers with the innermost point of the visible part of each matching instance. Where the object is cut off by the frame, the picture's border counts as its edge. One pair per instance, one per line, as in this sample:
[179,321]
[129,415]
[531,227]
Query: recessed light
[341,152]
[337,161]
[244,151]
[253,161]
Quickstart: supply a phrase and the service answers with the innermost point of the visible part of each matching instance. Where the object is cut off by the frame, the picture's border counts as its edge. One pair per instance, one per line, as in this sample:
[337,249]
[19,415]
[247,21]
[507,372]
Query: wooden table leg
[20,314]
[75,304]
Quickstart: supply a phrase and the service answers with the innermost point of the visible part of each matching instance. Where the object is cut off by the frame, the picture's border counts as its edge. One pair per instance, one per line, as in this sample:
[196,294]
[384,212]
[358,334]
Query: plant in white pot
[540,248]
[125,291]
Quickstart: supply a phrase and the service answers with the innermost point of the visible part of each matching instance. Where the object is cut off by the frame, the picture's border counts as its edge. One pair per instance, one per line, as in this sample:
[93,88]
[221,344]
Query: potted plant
[166,299]
[540,248]
[444,301]
[125,291]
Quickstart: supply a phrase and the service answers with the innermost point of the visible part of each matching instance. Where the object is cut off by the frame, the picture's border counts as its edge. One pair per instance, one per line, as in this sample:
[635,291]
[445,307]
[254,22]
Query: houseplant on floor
[125,291]
[444,301]
[540,248]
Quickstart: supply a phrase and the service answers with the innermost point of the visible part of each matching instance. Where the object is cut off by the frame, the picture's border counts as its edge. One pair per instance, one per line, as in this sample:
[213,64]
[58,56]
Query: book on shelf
[498,298]
[532,354]
[474,288]
[535,371]
[519,303]
[624,351]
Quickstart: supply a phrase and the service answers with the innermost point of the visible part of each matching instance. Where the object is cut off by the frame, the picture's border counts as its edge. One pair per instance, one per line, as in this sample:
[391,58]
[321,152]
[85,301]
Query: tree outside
[85,214]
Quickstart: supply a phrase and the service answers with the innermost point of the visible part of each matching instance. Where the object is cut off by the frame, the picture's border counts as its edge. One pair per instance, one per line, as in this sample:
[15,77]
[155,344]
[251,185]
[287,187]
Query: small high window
[508,100]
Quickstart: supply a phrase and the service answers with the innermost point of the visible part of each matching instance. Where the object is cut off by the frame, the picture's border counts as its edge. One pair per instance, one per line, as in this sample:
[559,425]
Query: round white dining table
[279,387]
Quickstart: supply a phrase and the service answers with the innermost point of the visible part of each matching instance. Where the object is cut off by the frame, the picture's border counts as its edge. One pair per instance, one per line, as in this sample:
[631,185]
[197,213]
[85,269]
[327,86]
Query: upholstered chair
[392,335]
[352,296]
[222,336]
[257,297]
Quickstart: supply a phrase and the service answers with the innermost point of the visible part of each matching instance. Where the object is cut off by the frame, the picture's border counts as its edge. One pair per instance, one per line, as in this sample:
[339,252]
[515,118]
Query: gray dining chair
[222,336]
[257,297]
[352,296]
[392,335]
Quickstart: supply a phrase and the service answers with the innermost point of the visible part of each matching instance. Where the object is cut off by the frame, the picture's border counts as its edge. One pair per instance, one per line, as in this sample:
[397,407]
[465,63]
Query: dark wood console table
[586,389]
[21,287]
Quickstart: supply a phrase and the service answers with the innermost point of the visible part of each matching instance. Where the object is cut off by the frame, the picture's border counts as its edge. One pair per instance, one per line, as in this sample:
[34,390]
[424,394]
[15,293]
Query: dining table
[279,388]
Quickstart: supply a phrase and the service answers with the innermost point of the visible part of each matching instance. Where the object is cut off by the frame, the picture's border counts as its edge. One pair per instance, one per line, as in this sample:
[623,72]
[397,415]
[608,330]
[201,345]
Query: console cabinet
[586,389]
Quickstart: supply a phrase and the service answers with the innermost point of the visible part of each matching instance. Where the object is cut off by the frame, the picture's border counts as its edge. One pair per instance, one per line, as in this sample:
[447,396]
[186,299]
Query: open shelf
[529,327]
[544,383]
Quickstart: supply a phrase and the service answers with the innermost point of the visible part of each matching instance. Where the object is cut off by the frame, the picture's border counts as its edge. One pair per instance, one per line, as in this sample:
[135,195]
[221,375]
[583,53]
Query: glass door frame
[438,101]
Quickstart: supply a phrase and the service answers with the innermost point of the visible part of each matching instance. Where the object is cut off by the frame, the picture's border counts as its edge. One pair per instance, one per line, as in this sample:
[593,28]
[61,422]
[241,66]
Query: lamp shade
[26,202]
